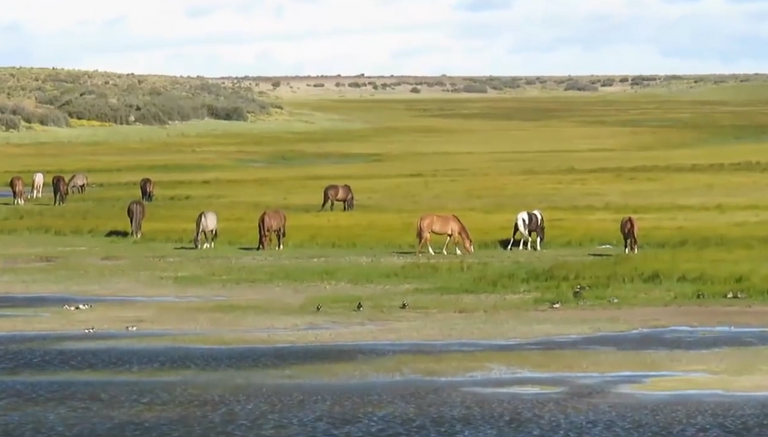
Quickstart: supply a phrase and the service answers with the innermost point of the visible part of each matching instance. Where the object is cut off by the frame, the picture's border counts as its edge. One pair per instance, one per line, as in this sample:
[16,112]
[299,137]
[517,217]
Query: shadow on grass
[504,243]
[248,249]
[114,233]
[184,248]
[404,252]
[600,255]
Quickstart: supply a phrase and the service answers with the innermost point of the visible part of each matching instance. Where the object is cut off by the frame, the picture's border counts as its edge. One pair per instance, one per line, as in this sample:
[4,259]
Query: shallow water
[47,300]
[222,394]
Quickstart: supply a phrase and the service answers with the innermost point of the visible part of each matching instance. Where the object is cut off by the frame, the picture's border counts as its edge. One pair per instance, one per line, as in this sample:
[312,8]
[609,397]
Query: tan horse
[448,225]
[17,188]
[338,193]
[272,221]
[628,229]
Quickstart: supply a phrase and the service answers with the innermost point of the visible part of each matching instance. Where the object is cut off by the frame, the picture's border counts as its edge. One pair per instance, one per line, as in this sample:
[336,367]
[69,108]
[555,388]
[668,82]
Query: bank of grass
[690,170]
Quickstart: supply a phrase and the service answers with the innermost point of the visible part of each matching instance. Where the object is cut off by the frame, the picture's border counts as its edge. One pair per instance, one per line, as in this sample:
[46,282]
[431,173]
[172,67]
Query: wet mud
[218,392]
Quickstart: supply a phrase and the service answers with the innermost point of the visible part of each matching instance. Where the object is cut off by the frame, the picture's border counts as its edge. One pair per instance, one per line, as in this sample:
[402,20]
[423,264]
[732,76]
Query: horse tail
[262,230]
[419,231]
[283,231]
[632,228]
[326,198]
[199,224]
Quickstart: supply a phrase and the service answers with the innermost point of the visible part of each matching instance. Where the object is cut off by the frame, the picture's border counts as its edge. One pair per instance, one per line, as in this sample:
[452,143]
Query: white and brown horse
[448,225]
[528,222]
[628,228]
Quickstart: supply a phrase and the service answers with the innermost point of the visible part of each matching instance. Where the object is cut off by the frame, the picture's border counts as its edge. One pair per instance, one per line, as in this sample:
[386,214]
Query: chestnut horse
[271,221]
[136,213]
[338,193]
[448,225]
[37,185]
[528,222]
[17,188]
[628,229]
[60,190]
[147,188]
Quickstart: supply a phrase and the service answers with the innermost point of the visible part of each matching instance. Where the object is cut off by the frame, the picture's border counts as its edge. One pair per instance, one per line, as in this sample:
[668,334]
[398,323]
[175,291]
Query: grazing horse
[272,221]
[338,193]
[37,185]
[79,181]
[17,188]
[448,225]
[147,188]
[528,222]
[60,190]
[207,223]
[136,213]
[628,228]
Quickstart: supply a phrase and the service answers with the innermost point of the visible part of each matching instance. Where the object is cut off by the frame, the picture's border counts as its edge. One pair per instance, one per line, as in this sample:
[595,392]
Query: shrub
[474,88]
[354,85]
[415,90]
[276,84]
[608,82]
[10,122]
[318,85]
[575,85]
[624,80]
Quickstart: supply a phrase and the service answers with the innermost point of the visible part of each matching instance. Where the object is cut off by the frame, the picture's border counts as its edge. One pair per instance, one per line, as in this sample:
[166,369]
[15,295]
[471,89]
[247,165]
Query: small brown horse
[147,188]
[272,221]
[60,190]
[338,193]
[17,188]
[136,214]
[449,225]
[628,229]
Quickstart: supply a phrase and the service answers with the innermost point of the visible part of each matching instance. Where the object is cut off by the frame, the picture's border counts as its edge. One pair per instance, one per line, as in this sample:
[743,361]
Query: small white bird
[131,328]
[555,305]
[89,330]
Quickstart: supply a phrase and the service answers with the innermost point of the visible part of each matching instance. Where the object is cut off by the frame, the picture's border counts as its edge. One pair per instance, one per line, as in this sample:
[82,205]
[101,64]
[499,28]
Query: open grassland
[690,167]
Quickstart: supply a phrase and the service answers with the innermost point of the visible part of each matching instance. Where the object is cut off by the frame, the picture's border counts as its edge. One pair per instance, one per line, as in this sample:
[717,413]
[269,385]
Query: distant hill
[56,97]
[62,98]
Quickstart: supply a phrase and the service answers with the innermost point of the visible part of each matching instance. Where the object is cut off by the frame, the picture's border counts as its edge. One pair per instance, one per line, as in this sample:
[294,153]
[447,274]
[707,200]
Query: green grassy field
[690,167]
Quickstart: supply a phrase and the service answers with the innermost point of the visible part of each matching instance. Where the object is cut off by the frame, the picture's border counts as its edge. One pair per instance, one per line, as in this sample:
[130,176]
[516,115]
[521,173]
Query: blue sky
[423,37]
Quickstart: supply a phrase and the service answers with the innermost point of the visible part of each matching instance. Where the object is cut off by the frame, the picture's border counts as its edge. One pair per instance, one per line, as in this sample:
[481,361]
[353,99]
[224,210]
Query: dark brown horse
[528,222]
[147,188]
[60,190]
[272,221]
[79,182]
[136,214]
[448,225]
[338,193]
[17,188]
[628,229]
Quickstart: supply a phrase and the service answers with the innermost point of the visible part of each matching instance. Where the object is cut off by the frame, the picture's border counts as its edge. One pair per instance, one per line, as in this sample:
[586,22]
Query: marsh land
[684,155]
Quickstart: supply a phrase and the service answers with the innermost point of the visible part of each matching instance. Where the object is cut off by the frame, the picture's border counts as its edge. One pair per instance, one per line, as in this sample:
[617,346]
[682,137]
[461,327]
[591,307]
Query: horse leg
[626,245]
[429,246]
[445,246]
[456,244]
[280,239]
[538,242]
[332,203]
[522,240]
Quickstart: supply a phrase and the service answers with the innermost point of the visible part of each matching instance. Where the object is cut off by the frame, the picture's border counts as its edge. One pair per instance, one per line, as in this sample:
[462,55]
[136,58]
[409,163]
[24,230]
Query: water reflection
[225,394]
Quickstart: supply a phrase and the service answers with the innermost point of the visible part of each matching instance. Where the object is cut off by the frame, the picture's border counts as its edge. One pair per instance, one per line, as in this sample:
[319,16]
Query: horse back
[16,183]
[136,210]
[628,226]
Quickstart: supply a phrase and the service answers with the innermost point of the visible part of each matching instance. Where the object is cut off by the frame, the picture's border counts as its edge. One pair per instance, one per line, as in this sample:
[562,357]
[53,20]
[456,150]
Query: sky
[383,37]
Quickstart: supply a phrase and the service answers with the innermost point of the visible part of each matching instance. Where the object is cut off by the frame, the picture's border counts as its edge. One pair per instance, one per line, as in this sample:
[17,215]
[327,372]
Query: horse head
[351,202]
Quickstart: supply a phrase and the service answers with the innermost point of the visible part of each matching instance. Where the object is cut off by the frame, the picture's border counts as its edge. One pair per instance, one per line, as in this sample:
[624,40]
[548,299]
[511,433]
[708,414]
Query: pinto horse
[147,188]
[272,221]
[448,225]
[338,193]
[136,213]
[528,222]
[17,188]
[628,229]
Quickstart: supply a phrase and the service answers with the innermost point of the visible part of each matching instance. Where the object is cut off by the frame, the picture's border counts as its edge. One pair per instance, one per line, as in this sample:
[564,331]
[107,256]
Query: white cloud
[273,37]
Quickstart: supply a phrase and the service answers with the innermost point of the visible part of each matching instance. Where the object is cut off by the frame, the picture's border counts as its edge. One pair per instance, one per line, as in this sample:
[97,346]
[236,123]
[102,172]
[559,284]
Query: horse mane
[463,227]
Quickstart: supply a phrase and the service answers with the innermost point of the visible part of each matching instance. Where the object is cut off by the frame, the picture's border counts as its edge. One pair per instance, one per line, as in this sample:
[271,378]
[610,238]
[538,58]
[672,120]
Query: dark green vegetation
[53,97]
[690,167]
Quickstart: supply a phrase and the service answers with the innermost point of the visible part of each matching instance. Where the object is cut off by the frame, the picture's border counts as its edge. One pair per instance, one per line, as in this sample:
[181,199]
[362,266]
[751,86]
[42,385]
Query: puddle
[44,300]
